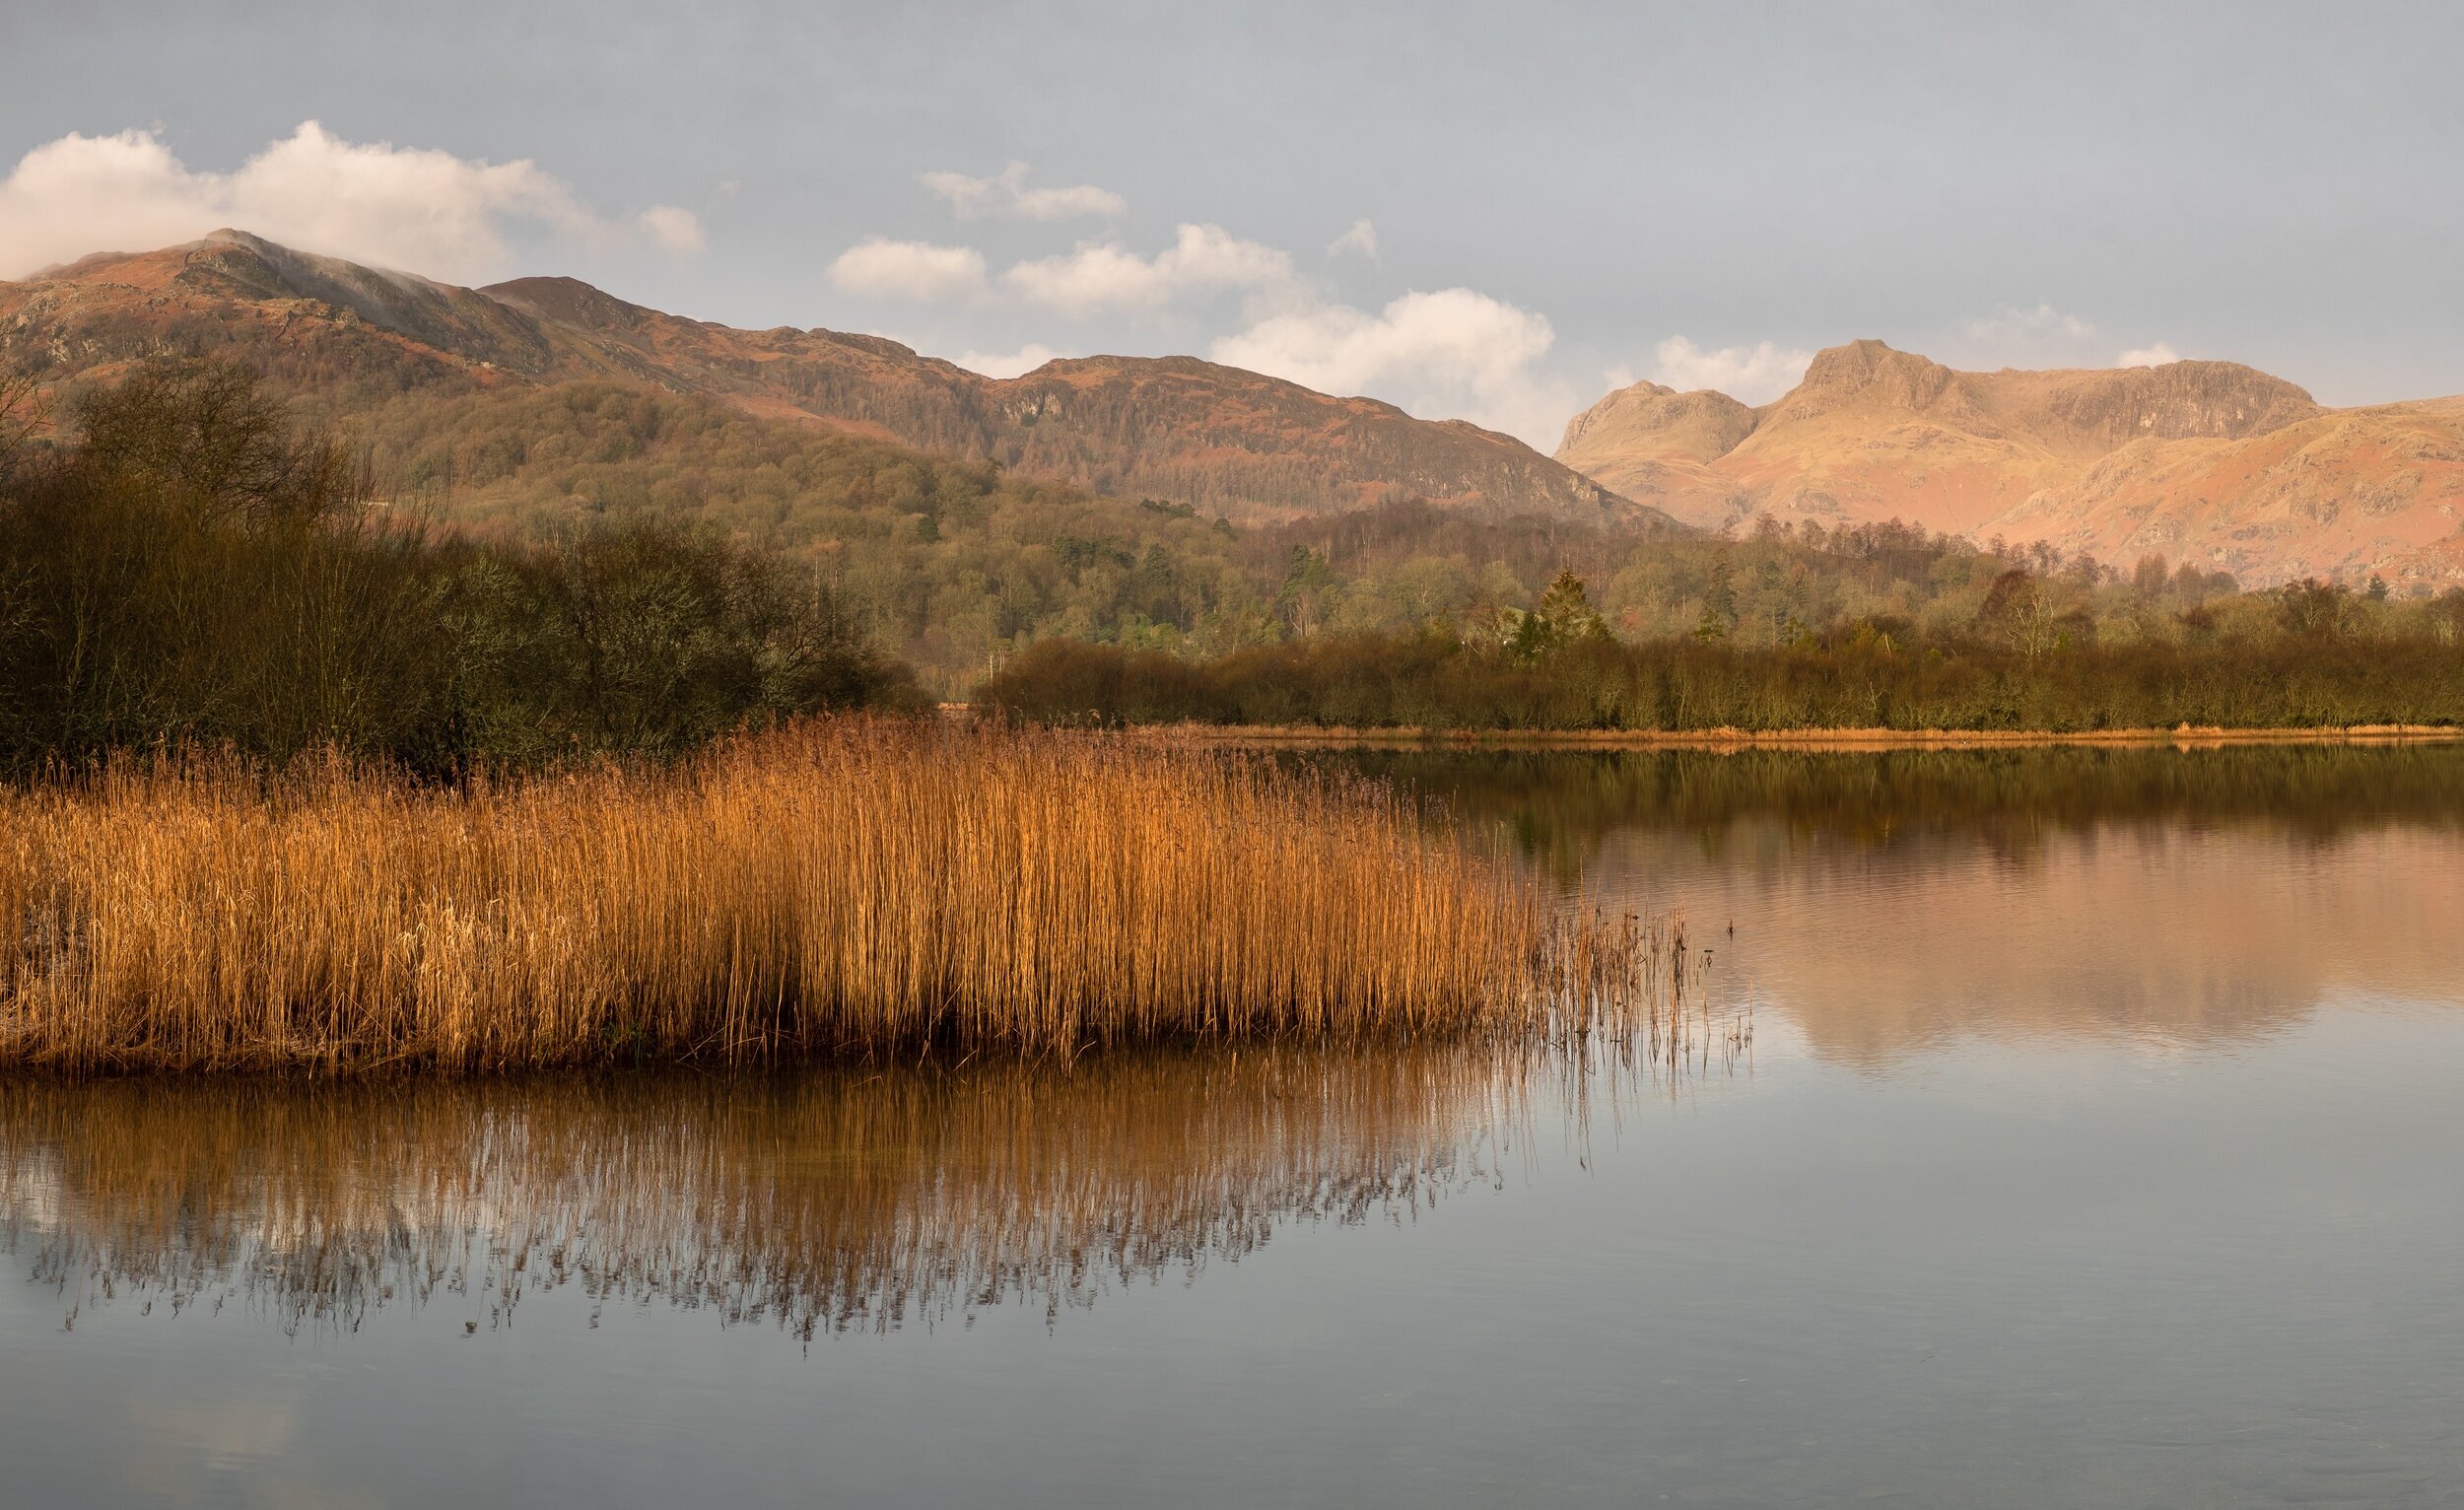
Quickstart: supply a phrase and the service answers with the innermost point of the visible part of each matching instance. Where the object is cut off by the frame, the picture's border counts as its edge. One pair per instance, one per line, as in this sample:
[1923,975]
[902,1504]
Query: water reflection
[857,1200]
[1883,908]
[1558,805]
[1888,903]
[2085,1161]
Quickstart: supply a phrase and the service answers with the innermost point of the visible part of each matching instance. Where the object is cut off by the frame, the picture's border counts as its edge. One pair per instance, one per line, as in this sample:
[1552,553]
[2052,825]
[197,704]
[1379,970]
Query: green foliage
[1719,601]
[1566,608]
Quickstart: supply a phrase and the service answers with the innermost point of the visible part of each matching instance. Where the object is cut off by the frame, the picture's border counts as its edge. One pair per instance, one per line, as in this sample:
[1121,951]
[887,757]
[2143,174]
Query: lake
[2094,1142]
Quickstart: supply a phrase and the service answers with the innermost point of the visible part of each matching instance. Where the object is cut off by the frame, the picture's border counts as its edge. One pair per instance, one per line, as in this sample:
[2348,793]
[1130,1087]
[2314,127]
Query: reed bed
[861,886]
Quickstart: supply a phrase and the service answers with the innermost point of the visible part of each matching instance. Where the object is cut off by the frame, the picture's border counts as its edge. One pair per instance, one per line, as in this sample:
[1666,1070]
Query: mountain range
[1223,441]
[2207,461]
[2210,462]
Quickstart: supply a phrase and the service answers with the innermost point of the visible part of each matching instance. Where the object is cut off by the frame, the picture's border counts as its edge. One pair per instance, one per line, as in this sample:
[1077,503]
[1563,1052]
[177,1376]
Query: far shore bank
[2183,738]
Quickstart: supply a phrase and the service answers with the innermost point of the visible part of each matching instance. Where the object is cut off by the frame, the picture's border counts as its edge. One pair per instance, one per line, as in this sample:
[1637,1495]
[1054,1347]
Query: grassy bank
[863,886]
[1309,735]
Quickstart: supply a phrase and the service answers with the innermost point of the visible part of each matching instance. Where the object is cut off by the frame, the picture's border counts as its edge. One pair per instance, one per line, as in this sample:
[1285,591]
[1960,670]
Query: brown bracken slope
[2208,461]
[1221,439]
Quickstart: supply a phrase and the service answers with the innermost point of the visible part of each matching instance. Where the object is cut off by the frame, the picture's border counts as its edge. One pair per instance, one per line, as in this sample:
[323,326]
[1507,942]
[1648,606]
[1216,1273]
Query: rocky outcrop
[1656,421]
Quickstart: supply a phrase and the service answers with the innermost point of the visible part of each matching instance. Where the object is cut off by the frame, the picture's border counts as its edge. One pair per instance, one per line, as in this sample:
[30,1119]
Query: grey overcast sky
[1487,210]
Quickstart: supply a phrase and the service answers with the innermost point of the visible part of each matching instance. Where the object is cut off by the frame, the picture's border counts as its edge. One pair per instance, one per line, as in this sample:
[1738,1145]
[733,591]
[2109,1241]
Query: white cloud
[917,271]
[1753,375]
[1026,359]
[1363,237]
[1341,349]
[2158,355]
[1005,196]
[1452,353]
[675,232]
[423,210]
[2010,322]
[1449,354]
[1105,275]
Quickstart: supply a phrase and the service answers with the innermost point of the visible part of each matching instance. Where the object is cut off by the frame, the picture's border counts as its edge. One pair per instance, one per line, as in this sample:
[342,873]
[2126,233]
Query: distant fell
[1215,437]
[2207,461]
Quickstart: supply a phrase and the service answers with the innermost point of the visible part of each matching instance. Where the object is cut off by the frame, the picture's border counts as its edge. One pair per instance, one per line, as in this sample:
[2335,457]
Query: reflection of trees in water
[1894,904]
[1554,805]
[822,1202]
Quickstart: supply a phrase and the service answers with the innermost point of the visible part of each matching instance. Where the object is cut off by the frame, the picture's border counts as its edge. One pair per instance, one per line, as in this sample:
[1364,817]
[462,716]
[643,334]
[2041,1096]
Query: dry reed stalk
[858,886]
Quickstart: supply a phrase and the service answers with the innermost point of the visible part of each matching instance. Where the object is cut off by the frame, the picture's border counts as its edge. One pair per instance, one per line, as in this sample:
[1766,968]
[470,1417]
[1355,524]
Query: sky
[1487,211]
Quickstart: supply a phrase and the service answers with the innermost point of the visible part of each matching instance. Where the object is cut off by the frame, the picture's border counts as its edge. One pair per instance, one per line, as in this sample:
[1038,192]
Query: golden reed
[858,887]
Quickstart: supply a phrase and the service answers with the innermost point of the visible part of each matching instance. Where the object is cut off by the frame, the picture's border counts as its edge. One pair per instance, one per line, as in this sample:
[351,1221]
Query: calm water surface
[2098,1148]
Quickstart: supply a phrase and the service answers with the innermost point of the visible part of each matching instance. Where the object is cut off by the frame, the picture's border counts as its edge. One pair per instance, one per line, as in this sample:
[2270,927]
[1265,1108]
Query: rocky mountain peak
[1653,419]
[1870,371]
[2179,400]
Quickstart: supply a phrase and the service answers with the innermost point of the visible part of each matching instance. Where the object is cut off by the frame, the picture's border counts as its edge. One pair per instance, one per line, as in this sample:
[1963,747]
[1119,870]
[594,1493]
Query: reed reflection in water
[819,1202]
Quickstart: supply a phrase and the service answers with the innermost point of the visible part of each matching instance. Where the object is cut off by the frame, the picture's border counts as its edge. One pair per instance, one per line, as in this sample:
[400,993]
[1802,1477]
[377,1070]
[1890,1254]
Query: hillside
[345,337]
[2209,461]
[2345,493]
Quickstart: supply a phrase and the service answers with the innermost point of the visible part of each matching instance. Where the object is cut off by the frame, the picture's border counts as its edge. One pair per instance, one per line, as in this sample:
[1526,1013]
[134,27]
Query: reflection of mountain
[827,1202]
[1885,903]
[2160,931]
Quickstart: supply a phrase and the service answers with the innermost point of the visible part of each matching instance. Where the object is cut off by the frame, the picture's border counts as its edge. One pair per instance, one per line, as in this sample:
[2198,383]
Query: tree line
[180,564]
[2307,655]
